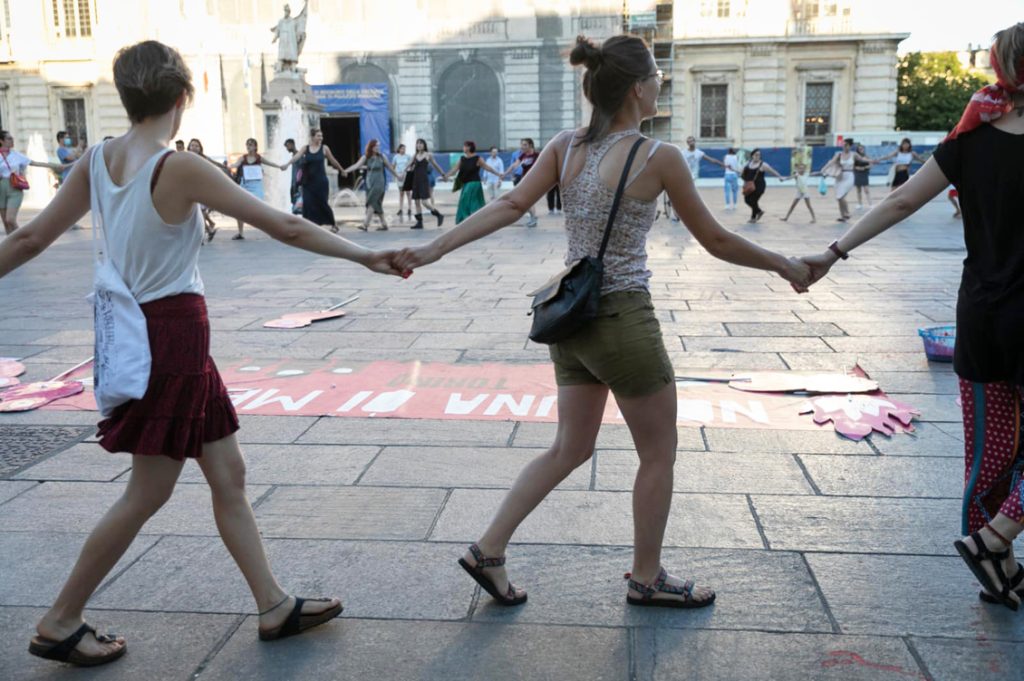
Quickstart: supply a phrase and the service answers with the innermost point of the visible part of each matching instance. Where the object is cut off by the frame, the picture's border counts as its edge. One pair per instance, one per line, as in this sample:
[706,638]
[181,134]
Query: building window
[715,8]
[714,110]
[74,120]
[468,106]
[818,109]
[72,18]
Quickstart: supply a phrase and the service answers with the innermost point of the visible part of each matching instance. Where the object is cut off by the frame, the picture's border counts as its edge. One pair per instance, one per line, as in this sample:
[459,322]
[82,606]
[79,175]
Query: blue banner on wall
[369,100]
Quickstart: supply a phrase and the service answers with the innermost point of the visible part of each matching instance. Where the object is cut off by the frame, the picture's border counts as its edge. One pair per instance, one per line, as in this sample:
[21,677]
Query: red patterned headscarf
[990,102]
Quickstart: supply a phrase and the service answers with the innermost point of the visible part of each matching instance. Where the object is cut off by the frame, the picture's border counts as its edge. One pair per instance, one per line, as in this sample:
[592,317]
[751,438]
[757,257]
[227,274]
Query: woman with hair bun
[620,351]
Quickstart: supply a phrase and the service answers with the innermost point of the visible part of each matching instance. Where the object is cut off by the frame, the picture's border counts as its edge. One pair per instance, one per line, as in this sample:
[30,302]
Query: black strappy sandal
[999,592]
[64,651]
[297,622]
[647,598]
[1015,586]
[508,598]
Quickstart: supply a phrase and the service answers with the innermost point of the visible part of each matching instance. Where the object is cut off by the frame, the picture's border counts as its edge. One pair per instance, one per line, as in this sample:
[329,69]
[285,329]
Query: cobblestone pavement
[832,559]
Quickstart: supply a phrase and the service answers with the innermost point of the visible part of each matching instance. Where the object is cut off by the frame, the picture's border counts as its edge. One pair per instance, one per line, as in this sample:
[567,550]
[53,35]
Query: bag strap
[6,163]
[618,196]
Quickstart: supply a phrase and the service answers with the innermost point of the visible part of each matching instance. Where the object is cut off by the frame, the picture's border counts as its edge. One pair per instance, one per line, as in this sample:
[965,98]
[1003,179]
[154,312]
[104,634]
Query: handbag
[748,187]
[122,359]
[17,180]
[823,186]
[571,298]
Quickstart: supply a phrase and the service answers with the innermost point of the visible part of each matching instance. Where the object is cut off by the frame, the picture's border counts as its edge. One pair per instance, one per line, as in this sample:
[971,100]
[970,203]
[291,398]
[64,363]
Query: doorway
[341,134]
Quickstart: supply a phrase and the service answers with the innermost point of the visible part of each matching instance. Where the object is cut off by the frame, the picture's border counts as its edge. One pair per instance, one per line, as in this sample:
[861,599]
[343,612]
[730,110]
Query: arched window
[468,107]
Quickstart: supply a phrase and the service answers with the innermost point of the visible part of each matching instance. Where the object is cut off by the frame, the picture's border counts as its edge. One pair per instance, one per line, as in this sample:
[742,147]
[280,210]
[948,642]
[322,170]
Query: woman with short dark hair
[471,192]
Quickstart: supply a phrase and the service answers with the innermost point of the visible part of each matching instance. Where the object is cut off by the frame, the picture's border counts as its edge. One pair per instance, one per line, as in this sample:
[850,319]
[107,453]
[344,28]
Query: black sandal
[647,598]
[64,651]
[1015,586]
[296,622]
[508,598]
[999,592]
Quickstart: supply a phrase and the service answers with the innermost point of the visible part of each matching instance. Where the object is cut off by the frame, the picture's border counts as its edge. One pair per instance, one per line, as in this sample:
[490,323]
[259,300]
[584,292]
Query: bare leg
[808,202]
[11,220]
[844,210]
[652,423]
[241,226]
[1010,529]
[791,207]
[149,487]
[580,410]
[366,218]
[867,195]
[224,468]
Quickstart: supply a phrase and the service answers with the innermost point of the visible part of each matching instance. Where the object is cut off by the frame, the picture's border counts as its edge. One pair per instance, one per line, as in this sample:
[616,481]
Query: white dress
[845,181]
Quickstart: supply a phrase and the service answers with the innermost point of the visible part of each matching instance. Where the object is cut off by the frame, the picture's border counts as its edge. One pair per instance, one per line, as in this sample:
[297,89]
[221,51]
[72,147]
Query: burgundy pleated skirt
[186,403]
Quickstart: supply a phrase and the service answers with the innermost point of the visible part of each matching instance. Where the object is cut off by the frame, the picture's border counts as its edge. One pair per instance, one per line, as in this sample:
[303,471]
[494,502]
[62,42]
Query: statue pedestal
[290,109]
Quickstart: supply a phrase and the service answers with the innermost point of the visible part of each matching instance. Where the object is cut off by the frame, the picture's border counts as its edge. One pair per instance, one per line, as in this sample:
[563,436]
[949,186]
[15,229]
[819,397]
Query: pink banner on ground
[479,392]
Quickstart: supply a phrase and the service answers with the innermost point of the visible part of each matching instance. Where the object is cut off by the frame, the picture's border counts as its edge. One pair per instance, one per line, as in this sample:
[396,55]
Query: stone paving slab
[160,646]
[405,580]
[85,461]
[360,431]
[272,429]
[10,489]
[978,660]
[297,464]
[858,524]
[459,467]
[921,382]
[41,417]
[755,590]
[927,439]
[603,518]
[746,344]
[611,436]
[868,594]
[787,329]
[824,441]
[710,472]
[371,650]
[886,476]
[933,408]
[349,512]
[857,344]
[672,654]
[691,361]
[34,565]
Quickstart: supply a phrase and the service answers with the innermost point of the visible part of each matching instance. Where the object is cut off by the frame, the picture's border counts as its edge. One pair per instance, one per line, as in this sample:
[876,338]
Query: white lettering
[460,407]
[386,402]
[287,403]
[696,410]
[544,408]
[517,408]
[241,396]
[754,411]
[354,401]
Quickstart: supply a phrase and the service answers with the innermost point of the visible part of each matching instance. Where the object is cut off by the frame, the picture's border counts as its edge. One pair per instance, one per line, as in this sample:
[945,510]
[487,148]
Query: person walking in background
[693,156]
[376,182]
[196,147]
[981,158]
[800,177]
[419,168]
[840,167]
[954,199]
[12,192]
[862,177]
[400,161]
[249,175]
[621,351]
[754,184]
[179,145]
[67,154]
[312,162]
[902,158]
[492,181]
[731,163]
[294,192]
[147,197]
[520,167]
[471,193]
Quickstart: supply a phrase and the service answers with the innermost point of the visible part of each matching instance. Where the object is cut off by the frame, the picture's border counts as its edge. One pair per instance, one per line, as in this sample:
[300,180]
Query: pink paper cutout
[10,367]
[856,416]
[8,382]
[34,395]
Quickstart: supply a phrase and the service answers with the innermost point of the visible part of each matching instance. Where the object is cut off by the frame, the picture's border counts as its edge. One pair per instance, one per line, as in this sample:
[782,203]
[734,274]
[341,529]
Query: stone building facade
[739,72]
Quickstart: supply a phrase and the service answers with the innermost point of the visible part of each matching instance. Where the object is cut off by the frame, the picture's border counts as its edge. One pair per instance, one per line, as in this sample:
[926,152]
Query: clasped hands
[400,262]
[804,272]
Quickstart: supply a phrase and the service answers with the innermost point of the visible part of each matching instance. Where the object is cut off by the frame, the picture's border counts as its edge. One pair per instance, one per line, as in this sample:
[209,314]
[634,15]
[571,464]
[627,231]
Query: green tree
[933,90]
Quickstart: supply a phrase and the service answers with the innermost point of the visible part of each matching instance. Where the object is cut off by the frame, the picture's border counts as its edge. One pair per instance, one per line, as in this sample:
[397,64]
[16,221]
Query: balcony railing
[597,24]
[489,29]
[819,26]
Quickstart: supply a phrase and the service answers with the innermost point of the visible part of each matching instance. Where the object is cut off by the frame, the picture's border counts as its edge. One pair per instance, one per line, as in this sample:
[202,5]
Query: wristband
[834,247]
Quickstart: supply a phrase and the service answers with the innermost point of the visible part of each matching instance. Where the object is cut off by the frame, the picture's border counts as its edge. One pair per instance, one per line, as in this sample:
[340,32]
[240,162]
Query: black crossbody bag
[571,298]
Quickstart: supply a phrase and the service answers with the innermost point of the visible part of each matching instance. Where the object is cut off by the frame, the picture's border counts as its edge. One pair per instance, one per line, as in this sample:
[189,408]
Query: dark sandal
[1015,586]
[647,598]
[296,622]
[1001,591]
[64,651]
[508,598]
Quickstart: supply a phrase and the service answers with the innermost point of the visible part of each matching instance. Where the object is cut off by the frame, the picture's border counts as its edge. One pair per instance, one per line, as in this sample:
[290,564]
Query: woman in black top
[754,184]
[981,158]
[313,158]
[471,197]
[418,168]
[862,176]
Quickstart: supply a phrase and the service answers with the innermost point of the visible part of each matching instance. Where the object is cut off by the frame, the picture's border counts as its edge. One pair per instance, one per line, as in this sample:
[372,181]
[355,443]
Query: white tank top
[903,158]
[155,259]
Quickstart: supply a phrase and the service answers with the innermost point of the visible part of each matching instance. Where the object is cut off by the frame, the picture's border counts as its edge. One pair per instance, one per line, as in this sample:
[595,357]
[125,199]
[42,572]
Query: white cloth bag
[122,356]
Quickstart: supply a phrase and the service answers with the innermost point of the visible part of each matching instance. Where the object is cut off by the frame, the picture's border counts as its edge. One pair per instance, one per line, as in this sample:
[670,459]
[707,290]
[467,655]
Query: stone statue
[290,36]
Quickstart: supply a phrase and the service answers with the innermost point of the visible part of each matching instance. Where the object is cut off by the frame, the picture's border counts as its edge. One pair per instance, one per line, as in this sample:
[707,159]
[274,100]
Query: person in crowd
[554,201]
[179,145]
[67,154]
[422,195]
[196,147]
[492,181]
[621,351]
[800,178]
[731,163]
[862,176]
[520,167]
[981,158]
[312,177]
[840,166]
[902,158]
[954,199]
[148,198]
[249,175]
[376,182]
[753,183]
[12,192]
[400,161]
[694,156]
[294,192]
[471,193]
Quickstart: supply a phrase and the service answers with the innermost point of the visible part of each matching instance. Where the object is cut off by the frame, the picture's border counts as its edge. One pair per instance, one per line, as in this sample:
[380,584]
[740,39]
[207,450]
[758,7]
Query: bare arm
[480,163]
[886,157]
[264,161]
[515,164]
[430,157]
[387,164]
[355,166]
[773,171]
[66,208]
[711,159]
[333,161]
[296,157]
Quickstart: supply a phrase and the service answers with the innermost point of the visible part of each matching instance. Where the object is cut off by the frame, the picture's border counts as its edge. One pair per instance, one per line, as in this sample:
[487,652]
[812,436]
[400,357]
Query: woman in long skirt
[315,188]
[376,182]
[471,196]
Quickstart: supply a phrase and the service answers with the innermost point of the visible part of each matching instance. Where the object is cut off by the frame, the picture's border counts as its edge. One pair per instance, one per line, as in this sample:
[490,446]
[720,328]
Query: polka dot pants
[993,456]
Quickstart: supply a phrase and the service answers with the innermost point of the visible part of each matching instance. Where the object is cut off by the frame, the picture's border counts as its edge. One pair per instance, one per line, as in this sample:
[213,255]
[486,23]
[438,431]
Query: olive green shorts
[622,348]
[10,198]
